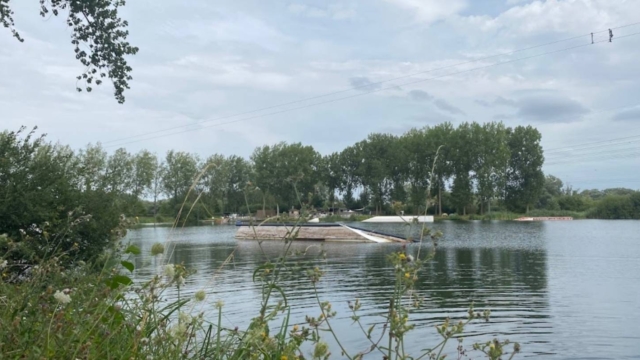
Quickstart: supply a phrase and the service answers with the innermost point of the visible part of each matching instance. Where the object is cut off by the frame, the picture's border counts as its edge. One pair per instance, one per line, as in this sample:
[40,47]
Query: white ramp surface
[400,219]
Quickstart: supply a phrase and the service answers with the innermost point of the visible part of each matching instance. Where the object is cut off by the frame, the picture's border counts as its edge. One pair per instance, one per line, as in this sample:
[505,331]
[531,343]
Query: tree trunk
[481,207]
[527,209]
[464,211]
[439,200]
[489,207]
[155,209]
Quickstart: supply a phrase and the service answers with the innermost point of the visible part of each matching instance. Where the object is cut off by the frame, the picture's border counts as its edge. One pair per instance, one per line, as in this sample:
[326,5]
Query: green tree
[93,164]
[216,180]
[240,172]
[119,172]
[145,165]
[99,37]
[442,134]
[45,207]
[492,156]
[553,185]
[350,160]
[463,157]
[264,172]
[525,179]
[378,166]
[179,172]
[296,168]
[331,175]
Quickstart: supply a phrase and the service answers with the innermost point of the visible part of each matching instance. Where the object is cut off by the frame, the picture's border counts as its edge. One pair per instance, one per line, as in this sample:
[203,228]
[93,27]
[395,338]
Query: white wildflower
[219,304]
[62,297]
[200,295]
[180,281]
[183,317]
[3,264]
[169,270]
[178,330]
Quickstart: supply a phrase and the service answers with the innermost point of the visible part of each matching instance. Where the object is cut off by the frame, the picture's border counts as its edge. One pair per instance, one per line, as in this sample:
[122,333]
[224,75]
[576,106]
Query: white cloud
[554,16]
[335,11]
[200,62]
[429,11]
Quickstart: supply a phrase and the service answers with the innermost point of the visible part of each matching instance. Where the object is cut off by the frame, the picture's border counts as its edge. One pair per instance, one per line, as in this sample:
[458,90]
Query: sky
[228,76]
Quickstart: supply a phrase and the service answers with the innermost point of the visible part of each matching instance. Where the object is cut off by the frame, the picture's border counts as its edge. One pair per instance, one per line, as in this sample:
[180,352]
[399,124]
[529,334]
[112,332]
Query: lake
[564,290]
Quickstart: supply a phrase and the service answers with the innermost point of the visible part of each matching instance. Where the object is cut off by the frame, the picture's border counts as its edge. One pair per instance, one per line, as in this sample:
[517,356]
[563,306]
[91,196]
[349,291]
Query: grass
[151,220]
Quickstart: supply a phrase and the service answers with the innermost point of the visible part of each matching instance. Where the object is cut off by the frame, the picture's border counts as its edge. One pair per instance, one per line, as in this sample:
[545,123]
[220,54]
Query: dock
[546,218]
[328,232]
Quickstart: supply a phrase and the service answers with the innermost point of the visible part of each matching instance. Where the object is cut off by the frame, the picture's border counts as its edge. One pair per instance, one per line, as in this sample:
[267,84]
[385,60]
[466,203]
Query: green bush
[617,207]
[43,211]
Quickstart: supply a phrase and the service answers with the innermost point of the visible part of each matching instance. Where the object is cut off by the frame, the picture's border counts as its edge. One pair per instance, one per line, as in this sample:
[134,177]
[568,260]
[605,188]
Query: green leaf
[277,288]
[132,249]
[262,267]
[128,265]
[118,280]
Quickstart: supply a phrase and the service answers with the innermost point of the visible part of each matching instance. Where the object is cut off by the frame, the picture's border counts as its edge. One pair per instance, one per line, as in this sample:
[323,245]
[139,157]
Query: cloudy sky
[217,75]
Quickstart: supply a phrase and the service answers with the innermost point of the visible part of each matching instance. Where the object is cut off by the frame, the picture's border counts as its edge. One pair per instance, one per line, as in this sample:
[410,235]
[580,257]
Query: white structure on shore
[400,219]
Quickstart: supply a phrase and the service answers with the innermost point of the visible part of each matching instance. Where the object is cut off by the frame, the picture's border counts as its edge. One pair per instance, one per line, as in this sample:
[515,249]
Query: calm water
[564,290]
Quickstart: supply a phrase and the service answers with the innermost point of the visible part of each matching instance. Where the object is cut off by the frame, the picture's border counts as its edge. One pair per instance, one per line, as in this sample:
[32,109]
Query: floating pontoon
[330,232]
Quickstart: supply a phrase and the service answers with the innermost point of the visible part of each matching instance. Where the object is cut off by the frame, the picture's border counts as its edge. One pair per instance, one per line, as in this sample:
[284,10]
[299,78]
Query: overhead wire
[368,85]
[577,156]
[579,146]
[595,158]
[378,90]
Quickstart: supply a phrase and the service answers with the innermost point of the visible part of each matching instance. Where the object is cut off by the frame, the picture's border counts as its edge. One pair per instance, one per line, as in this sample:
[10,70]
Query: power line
[589,150]
[567,119]
[596,158]
[577,156]
[372,84]
[373,91]
[577,147]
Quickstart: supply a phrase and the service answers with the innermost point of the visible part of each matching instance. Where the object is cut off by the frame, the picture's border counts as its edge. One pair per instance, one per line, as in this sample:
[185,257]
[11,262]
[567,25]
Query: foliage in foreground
[51,204]
[80,313]
[58,311]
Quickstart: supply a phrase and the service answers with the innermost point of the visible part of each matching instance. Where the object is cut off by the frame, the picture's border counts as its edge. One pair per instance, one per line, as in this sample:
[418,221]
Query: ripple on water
[565,290]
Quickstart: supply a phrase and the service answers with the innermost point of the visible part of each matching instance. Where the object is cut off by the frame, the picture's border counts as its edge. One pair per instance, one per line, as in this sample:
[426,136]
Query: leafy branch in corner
[99,37]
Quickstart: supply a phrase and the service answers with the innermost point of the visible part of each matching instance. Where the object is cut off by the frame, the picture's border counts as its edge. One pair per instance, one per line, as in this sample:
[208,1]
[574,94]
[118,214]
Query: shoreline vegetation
[67,292]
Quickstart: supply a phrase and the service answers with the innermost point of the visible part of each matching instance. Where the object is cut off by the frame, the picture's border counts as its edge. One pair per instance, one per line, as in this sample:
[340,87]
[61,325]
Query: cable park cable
[368,85]
[578,151]
[363,93]
[622,151]
[607,157]
[580,146]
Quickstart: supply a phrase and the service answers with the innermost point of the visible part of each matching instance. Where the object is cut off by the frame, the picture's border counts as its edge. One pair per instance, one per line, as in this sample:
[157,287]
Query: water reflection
[511,280]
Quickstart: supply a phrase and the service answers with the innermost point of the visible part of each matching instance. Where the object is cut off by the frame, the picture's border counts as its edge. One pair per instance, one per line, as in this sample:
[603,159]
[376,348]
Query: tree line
[479,168]
[474,167]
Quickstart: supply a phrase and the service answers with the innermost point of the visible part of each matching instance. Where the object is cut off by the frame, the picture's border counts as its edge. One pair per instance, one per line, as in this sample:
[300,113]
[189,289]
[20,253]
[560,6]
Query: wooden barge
[329,232]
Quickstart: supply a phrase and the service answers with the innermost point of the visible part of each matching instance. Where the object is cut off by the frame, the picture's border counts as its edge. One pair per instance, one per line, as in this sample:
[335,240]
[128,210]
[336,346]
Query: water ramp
[400,219]
[330,232]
